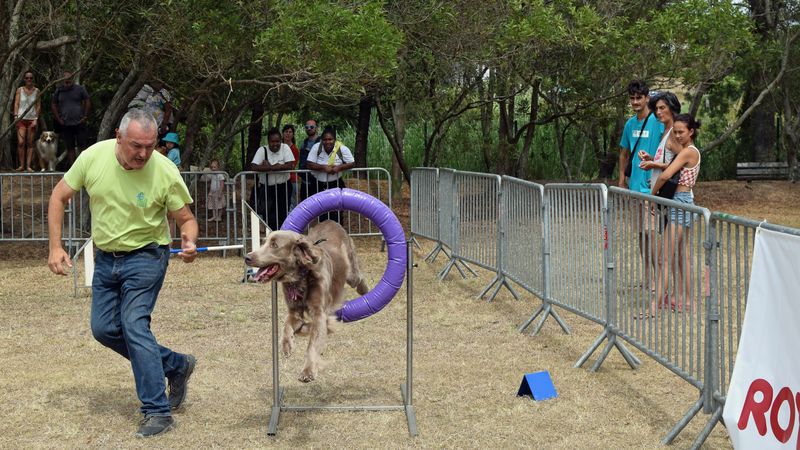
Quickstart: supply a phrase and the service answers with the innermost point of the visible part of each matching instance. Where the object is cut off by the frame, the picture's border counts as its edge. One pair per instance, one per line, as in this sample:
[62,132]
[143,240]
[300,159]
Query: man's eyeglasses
[310,127]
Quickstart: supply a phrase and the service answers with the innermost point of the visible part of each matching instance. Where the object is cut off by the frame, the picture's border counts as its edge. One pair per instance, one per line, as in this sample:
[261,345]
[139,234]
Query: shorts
[680,216]
[25,124]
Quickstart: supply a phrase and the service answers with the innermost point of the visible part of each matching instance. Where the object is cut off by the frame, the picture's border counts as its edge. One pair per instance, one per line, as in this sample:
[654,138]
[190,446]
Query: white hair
[140,116]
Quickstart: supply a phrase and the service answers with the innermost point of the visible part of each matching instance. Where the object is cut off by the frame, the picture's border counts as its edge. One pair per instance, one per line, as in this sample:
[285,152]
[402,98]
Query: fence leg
[435,252]
[486,289]
[447,268]
[501,281]
[547,309]
[455,263]
[685,419]
[630,358]
[582,360]
[463,264]
[604,353]
[708,428]
[550,311]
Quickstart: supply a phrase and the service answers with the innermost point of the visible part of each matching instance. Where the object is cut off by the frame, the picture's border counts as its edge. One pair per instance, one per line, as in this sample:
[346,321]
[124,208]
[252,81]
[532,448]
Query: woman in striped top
[687,160]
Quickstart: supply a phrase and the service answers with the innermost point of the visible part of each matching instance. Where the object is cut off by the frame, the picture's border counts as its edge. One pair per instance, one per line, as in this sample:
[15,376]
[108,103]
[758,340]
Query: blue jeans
[124,292]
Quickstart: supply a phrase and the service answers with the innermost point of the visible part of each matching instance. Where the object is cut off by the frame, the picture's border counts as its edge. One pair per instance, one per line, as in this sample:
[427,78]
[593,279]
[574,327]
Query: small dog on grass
[47,146]
[313,271]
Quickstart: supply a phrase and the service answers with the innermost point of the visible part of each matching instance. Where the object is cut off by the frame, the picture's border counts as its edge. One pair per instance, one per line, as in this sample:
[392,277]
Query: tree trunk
[222,136]
[521,169]
[486,110]
[193,125]
[399,116]
[504,119]
[255,130]
[8,79]
[119,103]
[758,131]
[397,146]
[791,132]
[606,160]
[362,131]
[562,152]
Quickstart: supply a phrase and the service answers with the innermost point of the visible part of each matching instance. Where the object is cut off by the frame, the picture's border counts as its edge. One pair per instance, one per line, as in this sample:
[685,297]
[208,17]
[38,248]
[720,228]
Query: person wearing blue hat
[172,142]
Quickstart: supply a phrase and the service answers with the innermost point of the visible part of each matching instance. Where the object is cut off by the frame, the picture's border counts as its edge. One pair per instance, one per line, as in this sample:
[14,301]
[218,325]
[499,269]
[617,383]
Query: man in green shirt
[132,190]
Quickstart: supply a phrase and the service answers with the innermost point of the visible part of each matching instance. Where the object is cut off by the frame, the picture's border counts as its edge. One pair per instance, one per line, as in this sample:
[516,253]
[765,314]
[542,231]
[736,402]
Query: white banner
[762,408]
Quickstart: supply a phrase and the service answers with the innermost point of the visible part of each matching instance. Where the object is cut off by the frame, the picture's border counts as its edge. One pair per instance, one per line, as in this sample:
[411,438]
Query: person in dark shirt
[71,107]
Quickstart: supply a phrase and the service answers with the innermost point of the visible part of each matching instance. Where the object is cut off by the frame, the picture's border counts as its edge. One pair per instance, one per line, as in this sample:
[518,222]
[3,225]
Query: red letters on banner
[759,410]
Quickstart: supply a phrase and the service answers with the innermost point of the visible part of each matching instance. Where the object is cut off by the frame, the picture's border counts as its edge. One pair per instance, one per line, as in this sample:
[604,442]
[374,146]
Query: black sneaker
[155,425]
[177,385]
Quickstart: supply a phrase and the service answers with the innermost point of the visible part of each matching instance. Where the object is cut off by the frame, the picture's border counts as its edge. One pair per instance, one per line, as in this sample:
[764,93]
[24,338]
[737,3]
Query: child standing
[172,143]
[216,194]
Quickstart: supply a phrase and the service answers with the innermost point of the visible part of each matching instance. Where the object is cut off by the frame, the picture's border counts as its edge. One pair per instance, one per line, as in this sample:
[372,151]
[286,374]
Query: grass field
[61,389]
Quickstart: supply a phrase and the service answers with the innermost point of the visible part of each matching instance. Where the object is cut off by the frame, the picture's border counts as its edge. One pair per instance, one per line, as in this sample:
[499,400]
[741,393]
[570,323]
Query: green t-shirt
[129,207]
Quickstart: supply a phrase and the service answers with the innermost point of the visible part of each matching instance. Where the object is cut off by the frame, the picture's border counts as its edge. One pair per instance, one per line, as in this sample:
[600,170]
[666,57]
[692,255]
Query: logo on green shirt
[141,200]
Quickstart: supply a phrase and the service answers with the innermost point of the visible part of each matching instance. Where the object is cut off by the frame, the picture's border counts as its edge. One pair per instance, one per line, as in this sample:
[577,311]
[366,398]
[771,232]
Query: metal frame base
[410,412]
[630,358]
[548,310]
[500,280]
[454,262]
[278,391]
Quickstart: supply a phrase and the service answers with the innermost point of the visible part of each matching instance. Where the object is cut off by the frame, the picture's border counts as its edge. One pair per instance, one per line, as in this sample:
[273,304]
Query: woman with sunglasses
[27,106]
[327,160]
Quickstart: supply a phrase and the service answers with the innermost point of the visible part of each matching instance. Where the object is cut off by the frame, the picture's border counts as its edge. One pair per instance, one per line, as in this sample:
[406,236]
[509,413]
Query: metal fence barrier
[23,205]
[660,276]
[576,227]
[733,244]
[667,277]
[660,254]
[24,198]
[424,213]
[477,230]
[274,202]
[210,204]
[447,223]
[446,205]
[522,234]
[525,245]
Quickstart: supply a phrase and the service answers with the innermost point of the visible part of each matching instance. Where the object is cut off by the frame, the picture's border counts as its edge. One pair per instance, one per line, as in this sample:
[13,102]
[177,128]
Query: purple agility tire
[383,217]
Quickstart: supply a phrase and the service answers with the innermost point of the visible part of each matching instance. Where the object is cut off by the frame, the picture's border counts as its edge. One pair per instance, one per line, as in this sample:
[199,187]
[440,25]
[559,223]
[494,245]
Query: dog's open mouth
[265,274]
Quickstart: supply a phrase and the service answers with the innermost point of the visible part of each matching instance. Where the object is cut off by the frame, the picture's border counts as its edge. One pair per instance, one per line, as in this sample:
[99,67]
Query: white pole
[88,263]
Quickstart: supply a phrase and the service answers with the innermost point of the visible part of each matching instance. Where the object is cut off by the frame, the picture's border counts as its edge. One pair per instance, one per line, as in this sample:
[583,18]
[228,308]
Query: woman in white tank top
[27,107]
[665,106]
[687,160]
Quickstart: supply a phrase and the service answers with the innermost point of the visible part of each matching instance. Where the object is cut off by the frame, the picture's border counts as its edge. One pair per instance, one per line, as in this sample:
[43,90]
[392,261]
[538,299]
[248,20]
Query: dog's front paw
[287,346]
[307,375]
